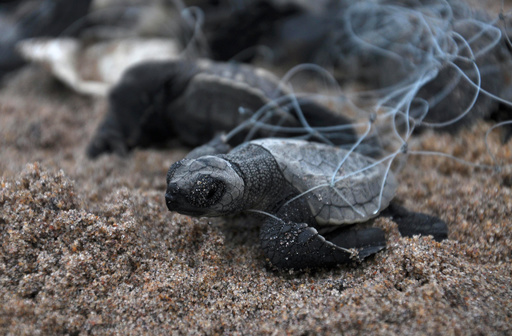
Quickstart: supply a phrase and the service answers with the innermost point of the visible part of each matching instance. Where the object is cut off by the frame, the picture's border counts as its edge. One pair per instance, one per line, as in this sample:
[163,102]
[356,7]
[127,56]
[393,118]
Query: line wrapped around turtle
[315,198]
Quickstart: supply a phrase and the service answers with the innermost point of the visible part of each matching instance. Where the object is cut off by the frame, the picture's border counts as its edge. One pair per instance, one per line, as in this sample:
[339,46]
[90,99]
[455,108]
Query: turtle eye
[206,191]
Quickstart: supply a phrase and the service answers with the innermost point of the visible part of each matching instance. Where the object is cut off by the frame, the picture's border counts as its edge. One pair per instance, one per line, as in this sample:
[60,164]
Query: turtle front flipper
[415,223]
[291,245]
[108,139]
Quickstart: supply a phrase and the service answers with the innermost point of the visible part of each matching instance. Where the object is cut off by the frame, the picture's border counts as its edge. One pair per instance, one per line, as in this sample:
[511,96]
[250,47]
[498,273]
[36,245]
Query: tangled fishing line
[433,64]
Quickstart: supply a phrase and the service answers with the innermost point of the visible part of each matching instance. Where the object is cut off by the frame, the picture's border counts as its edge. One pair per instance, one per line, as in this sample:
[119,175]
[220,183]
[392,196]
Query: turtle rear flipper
[416,223]
[290,245]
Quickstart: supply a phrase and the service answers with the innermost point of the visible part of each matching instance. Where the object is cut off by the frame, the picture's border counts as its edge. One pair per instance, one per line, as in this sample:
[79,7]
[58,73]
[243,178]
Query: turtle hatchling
[311,219]
[194,101]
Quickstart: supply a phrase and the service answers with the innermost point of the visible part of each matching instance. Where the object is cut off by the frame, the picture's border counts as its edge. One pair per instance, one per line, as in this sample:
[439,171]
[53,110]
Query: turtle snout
[171,196]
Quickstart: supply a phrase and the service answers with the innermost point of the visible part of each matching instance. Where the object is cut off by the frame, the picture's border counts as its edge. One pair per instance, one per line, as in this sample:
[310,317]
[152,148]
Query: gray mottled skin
[267,175]
[250,178]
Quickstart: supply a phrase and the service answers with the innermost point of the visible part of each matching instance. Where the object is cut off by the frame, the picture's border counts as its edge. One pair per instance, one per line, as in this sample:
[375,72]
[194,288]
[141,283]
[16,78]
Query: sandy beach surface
[88,247]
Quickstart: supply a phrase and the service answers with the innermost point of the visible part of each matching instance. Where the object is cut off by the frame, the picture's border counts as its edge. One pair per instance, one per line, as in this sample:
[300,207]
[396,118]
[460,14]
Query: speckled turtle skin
[194,101]
[312,230]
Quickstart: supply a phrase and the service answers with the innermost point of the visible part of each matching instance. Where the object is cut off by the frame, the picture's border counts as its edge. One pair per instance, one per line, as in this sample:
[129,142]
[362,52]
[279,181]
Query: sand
[88,247]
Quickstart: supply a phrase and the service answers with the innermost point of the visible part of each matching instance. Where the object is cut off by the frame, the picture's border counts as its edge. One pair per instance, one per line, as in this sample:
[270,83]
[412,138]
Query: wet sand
[88,247]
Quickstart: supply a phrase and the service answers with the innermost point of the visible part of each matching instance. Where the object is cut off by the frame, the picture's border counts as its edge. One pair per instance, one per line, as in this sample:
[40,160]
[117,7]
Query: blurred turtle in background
[194,101]
[22,19]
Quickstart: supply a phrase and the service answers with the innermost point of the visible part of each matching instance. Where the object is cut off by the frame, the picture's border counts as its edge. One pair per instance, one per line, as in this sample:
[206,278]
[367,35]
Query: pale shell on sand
[92,69]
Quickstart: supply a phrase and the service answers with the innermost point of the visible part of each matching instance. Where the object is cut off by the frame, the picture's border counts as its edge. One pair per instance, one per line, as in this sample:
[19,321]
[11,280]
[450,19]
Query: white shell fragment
[93,69]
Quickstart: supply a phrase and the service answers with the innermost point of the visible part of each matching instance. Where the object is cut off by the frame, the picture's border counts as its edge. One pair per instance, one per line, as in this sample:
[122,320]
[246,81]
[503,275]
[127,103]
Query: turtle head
[208,186]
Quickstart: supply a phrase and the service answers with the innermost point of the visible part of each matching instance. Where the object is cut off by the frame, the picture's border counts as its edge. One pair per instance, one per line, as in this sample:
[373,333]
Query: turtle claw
[290,245]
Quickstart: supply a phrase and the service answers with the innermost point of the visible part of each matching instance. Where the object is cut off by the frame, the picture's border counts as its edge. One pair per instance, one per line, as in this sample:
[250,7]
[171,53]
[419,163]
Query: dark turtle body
[24,19]
[310,199]
[193,101]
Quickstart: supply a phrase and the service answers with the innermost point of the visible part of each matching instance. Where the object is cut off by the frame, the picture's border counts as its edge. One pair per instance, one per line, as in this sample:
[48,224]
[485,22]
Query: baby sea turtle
[308,211]
[193,101]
